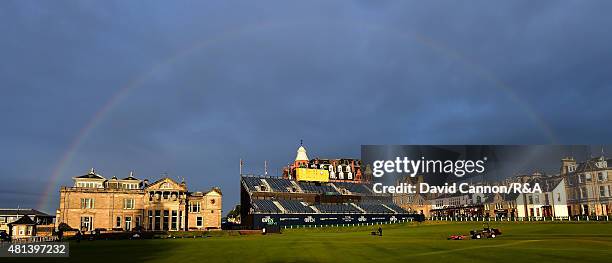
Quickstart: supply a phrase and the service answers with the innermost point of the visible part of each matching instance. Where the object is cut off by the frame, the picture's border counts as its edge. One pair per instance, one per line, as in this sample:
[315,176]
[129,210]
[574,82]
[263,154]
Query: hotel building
[589,187]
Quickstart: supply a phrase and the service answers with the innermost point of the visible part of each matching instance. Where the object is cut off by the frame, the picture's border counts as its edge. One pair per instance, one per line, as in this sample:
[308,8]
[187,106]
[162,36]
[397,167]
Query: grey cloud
[224,81]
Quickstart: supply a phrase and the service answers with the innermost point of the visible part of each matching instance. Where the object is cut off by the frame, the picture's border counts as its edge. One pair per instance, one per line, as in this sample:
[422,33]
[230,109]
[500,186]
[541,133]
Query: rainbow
[45,199]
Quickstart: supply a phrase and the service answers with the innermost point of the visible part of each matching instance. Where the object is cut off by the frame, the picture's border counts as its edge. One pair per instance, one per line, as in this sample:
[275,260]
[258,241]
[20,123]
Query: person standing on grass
[380,231]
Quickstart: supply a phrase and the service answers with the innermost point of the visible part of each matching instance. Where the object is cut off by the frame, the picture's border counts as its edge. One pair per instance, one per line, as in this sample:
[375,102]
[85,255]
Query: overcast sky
[189,88]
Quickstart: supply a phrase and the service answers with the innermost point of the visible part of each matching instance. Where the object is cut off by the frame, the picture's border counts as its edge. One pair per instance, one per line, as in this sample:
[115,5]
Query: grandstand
[376,208]
[353,188]
[395,208]
[281,185]
[266,199]
[316,192]
[349,208]
[265,206]
[319,189]
[252,183]
[296,207]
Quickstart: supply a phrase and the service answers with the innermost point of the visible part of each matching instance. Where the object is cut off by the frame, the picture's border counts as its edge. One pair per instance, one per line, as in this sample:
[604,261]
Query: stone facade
[413,203]
[589,186]
[129,204]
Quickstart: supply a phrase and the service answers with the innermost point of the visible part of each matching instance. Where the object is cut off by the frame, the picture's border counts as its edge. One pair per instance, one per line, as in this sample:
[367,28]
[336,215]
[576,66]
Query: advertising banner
[312,175]
[261,220]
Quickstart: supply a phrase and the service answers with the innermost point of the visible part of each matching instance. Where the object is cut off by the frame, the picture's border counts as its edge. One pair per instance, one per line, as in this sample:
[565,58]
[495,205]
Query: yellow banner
[312,175]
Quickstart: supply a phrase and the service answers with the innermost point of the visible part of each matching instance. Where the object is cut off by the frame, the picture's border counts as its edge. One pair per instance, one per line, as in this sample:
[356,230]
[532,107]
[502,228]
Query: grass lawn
[520,242]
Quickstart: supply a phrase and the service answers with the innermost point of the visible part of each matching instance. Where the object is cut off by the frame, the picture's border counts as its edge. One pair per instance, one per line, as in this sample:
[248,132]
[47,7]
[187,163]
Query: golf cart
[486,232]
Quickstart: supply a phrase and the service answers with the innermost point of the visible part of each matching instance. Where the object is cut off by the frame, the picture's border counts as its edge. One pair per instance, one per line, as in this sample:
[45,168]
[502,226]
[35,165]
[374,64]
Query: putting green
[520,242]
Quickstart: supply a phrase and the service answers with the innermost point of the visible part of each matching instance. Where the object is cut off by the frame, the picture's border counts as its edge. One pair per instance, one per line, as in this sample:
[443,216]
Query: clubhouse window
[166,214]
[128,203]
[194,207]
[150,225]
[174,221]
[180,218]
[118,222]
[199,221]
[87,203]
[137,223]
[158,220]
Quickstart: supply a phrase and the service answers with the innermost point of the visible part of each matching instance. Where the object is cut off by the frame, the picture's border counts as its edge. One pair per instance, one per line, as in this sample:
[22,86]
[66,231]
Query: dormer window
[601,164]
[89,185]
[602,176]
[587,177]
[130,186]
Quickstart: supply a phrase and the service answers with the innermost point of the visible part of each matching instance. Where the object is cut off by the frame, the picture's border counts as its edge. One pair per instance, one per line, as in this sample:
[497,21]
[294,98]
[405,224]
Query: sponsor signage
[261,220]
[312,175]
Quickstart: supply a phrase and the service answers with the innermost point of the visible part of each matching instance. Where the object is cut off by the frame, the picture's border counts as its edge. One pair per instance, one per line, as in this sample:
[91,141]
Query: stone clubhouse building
[95,202]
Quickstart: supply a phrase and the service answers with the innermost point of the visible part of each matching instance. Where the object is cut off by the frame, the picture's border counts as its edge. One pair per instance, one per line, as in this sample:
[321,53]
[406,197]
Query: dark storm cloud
[222,81]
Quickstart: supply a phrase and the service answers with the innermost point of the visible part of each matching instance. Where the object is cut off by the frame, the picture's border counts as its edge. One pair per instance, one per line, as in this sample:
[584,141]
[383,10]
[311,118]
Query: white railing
[35,239]
[520,219]
[353,224]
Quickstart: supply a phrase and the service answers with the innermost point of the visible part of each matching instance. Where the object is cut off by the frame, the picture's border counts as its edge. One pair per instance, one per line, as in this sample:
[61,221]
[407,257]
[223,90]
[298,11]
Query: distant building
[501,205]
[458,204]
[339,170]
[413,203]
[552,202]
[94,202]
[23,227]
[41,220]
[589,188]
